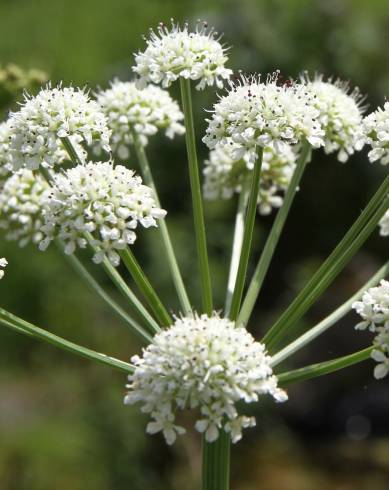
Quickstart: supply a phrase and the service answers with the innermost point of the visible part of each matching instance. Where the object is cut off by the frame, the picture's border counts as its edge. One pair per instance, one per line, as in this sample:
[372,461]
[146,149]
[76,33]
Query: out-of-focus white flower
[179,52]
[204,363]
[5,158]
[340,115]
[374,310]
[104,200]
[21,200]
[55,113]
[384,224]
[266,114]
[3,263]
[376,128]
[129,109]
[223,176]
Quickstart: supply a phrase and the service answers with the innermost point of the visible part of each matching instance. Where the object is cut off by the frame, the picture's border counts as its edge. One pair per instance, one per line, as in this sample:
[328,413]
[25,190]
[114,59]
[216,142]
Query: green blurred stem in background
[343,253]
[95,286]
[163,229]
[274,236]
[237,244]
[330,320]
[323,368]
[198,213]
[21,326]
[247,237]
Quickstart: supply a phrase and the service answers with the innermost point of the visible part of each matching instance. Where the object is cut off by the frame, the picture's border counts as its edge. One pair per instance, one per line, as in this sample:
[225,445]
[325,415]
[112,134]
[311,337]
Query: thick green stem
[346,249]
[145,287]
[216,463]
[273,238]
[329,321]
[21,326]
[95,286]
[198,213]
[125,290]
[237,246]
[323,368]
[247,237]
[163,229]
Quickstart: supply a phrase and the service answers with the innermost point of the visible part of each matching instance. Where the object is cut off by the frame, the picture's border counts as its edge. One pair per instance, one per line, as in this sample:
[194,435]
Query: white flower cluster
[223,176]
[178,52]
[340,116]
[384,224]
[374,310]
[5,160]
[204,363]
[21,200]
[376,128]
[104,200]
[55,113]
[3,263]
[264,114]
[129,109]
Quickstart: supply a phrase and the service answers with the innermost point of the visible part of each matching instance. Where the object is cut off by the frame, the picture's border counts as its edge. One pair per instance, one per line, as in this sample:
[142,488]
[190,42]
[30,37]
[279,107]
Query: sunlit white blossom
[266,114]
[5,158]
[144,112]
[376,128]
[340,116]
[55,113]
[204,363]
[3,264]
[21,201]
[179,52]
[374,310]
[104,200]
[223,176]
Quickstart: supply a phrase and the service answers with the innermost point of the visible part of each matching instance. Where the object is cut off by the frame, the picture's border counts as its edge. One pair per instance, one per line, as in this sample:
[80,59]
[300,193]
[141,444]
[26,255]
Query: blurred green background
[62,422]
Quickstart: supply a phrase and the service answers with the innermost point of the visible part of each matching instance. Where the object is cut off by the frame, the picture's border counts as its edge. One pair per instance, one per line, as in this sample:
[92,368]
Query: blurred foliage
[14,81]
[62,422]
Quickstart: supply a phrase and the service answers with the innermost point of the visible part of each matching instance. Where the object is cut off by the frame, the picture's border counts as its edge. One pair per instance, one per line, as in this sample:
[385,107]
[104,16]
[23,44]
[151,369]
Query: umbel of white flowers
[376,128]
[21,201]
[3,264]
[374,310]
[142,112]
[255,113]
[340,115]
[224,176]
[178,52]
[36,129]
[204,363]
[104,200]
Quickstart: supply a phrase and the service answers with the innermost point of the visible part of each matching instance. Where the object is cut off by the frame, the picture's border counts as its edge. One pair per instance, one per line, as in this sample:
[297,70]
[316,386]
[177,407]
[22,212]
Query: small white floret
[37,128]
[376,128]
[102,199]
[179,52]
[131,111]
[374,310]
